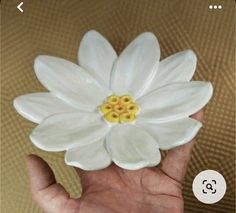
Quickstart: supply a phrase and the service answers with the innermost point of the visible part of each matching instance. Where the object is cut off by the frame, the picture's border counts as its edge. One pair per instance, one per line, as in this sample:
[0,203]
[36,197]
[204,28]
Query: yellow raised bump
[133,108]
[127,117]
[119,108]
[105,108]
[112,117]
[126,99]
[113,99]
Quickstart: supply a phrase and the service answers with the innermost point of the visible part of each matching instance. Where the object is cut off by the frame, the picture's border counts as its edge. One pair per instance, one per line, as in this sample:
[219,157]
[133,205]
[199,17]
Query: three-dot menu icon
[211,7]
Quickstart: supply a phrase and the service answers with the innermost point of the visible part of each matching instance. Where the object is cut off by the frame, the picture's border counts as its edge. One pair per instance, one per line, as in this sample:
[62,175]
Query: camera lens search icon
[209,186]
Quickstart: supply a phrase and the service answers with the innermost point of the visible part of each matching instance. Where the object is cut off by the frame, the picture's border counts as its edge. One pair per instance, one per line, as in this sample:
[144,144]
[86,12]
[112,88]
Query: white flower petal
[172,134]
[174,101]
[89,157]
[175,68]
[37,106]
[136,66]
[64,131]
[97,56]
[69,82]
[132,147]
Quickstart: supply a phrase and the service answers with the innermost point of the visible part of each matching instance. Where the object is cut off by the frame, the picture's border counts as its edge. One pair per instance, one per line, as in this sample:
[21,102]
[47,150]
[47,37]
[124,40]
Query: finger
[176,162]
[41,175]
[198,116]
[49,195]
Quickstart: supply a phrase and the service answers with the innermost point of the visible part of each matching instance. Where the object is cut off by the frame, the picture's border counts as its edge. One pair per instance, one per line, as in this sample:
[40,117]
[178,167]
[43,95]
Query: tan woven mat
[56,27]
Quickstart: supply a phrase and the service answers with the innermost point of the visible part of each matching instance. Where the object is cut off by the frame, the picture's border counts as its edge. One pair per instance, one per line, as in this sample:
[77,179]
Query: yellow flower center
[119,109]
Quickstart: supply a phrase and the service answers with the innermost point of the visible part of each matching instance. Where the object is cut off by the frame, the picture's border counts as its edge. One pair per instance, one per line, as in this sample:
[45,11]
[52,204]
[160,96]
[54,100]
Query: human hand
[116,190]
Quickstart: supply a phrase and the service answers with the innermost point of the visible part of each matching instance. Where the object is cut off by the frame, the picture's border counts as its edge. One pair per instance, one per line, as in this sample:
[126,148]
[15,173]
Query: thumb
[176,162]
[47,193]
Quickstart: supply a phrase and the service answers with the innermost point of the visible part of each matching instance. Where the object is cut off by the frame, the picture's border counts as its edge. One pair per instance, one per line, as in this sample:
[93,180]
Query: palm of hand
[143,191]
[115,190]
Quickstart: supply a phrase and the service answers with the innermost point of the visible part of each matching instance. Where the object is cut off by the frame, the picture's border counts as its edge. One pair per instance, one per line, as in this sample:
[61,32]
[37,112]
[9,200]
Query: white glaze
[132,147]
[89,157]
[69,82]
[172,134]
[136,66]
[174,101]
[37,106]
[68,117]
[63,131]
[97,56]
[178,67]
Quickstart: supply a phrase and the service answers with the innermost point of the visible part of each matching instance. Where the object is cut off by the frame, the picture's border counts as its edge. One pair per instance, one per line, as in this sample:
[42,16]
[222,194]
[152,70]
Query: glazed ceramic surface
[79,115]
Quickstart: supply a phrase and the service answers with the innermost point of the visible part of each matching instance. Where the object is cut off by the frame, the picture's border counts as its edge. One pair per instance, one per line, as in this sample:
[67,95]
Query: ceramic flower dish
[115,109]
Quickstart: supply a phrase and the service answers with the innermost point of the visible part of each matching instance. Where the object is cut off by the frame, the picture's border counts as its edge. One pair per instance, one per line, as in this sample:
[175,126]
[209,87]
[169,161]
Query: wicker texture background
[56,27]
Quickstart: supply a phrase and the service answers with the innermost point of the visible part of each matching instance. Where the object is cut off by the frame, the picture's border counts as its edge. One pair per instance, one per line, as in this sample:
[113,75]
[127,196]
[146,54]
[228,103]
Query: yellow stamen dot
[119,108]
[112,117]
[113,99]
[132,108]
[125,100]
[127,117]
[105,108]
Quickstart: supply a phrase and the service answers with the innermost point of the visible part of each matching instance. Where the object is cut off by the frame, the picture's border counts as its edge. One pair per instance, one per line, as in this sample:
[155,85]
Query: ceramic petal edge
[89,157]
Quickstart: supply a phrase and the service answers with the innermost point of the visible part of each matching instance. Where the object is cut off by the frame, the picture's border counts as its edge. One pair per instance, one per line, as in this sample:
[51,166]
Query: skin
[116,190]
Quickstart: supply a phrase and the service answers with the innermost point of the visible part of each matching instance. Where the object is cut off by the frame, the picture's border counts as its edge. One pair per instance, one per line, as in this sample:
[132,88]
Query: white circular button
[209,186]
